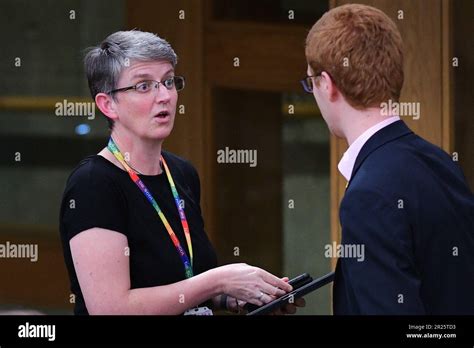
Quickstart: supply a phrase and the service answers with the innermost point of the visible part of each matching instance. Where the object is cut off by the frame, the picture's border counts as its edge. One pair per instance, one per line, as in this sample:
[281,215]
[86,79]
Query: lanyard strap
[184,222]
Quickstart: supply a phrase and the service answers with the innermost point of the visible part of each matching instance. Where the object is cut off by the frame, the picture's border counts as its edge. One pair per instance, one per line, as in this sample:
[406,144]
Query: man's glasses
[307,82]
[146,86]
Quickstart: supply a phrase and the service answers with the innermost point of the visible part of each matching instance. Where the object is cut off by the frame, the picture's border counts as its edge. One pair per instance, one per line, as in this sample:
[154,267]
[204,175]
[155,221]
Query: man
[407,204]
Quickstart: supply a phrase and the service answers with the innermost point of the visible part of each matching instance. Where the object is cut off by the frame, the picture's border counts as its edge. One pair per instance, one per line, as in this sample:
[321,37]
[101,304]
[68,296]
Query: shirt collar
[346,164]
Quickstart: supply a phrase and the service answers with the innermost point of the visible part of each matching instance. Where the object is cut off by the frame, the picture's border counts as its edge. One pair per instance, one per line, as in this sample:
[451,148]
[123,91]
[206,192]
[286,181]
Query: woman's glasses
[147,85]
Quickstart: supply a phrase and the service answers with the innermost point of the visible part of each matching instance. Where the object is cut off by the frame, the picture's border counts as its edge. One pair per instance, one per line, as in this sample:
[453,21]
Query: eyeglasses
[307,82]
[146,86]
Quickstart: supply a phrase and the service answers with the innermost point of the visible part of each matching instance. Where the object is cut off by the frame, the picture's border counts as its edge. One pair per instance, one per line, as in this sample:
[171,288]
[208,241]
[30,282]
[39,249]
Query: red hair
[360,47]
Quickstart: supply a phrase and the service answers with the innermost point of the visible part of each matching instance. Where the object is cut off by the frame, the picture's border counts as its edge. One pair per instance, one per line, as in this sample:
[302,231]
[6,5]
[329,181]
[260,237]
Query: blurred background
[242,61]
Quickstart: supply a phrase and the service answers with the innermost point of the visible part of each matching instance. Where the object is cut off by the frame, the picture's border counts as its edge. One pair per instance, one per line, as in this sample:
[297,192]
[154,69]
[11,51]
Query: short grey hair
[104,63]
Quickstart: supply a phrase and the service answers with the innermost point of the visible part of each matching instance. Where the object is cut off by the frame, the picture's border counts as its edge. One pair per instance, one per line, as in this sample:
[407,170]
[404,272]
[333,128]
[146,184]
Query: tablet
[300,280]
[303,287]
[296,283]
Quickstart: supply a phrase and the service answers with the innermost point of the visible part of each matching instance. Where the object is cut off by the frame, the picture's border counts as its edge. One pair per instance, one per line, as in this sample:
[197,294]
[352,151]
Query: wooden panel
[26,103]
[421,30]
[463,77]
[337,188]
[249,199]
[271,57]
[34,285]
[421,33]
[447,83]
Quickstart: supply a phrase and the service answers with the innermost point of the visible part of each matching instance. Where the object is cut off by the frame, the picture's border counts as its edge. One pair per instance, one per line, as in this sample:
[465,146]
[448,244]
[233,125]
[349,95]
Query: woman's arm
[101,262]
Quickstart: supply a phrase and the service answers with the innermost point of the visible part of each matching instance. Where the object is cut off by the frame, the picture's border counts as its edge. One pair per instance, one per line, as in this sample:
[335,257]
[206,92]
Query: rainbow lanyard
[188,266]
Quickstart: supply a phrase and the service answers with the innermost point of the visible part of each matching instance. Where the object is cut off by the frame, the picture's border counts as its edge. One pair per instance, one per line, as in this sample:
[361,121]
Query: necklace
[128,163]
[135,169]
[140,173]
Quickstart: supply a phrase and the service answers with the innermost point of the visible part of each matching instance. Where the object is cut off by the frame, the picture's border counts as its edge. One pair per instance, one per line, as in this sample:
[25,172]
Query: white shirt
[346,164]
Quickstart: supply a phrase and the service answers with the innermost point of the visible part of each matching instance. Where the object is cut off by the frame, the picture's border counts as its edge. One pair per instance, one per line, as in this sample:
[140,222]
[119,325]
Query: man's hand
[290,308]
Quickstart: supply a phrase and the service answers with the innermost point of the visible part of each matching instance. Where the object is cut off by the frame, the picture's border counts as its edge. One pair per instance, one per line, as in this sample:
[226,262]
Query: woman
[131,225]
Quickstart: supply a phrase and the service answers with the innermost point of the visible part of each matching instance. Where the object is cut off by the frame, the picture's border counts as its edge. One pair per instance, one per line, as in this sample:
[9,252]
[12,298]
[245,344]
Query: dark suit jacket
[409,205]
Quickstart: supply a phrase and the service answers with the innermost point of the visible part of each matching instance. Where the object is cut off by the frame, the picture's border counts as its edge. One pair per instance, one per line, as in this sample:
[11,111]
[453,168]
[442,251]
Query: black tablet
[303,285]
[300,280]
[295,282]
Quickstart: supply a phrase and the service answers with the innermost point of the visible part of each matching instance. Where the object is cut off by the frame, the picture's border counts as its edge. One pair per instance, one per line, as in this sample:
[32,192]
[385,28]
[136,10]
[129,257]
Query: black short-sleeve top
[100,194]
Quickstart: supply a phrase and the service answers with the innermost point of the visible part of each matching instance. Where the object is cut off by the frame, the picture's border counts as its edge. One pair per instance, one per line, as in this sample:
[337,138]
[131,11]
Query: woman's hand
[252,284]
[290,307]
[237,306]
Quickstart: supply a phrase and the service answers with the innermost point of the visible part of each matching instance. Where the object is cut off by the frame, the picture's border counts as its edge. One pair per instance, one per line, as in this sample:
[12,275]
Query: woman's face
[148,115]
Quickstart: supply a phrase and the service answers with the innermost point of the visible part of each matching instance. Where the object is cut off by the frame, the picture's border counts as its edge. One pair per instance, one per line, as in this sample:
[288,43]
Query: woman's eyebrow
[148,76]
[144,76]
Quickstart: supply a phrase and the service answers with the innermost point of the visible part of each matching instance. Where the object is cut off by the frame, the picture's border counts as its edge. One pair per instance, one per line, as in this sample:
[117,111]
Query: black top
[99,194]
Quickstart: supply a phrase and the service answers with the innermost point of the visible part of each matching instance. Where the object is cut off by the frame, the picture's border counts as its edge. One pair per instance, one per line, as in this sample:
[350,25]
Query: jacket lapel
[385,135]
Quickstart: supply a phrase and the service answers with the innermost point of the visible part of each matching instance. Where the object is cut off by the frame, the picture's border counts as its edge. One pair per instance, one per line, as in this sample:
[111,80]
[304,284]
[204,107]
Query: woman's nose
[162,93]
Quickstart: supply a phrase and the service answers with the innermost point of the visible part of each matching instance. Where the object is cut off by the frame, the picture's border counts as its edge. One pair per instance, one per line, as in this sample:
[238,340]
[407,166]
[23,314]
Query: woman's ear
[106,105]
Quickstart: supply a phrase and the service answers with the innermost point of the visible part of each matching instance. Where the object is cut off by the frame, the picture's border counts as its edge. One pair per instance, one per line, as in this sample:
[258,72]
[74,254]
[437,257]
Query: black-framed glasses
[307,82]
[147,85]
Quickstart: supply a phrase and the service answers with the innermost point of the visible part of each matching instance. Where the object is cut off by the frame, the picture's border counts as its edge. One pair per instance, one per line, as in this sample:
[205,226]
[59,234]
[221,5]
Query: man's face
[139,112]
[326,106]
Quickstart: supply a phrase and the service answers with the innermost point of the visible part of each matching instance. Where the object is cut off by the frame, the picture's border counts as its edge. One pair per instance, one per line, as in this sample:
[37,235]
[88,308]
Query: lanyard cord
[133,175]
